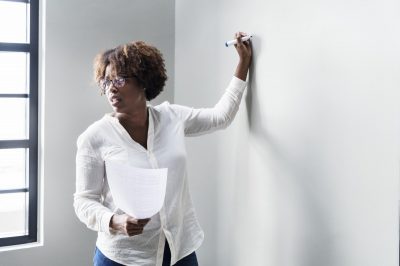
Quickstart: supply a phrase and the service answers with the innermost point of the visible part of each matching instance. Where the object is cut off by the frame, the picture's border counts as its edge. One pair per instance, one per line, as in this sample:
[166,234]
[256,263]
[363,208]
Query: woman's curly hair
[137,59]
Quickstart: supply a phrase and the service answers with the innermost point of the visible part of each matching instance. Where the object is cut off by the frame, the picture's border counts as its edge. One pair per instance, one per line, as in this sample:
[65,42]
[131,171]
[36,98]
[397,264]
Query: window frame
[32,47]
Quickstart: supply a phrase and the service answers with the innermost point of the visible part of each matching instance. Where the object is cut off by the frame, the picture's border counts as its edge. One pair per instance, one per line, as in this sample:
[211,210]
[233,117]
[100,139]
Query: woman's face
[127,98]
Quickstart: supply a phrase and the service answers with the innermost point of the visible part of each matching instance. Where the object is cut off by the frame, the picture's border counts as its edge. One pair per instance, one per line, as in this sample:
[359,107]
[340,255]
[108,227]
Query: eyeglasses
[118,82]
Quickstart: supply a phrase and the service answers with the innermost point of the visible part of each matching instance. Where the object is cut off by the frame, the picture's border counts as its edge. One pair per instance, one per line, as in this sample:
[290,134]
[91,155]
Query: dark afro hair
[137,59]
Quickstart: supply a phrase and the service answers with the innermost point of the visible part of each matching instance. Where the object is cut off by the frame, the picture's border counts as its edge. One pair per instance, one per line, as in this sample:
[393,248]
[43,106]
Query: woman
[145,136]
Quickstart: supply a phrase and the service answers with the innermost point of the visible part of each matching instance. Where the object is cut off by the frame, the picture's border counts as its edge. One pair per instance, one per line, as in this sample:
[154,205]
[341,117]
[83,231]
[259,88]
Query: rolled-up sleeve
[89,186]
[199,121]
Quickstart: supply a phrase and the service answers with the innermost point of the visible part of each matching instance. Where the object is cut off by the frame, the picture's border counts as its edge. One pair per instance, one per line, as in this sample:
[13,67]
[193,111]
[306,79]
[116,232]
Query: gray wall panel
[307,174]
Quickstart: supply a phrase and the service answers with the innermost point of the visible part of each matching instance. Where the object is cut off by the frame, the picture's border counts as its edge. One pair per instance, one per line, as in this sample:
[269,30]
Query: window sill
[21,246]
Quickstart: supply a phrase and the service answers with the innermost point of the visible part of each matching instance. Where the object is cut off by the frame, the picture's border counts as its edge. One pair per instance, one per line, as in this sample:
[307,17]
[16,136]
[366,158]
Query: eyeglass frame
[107,82]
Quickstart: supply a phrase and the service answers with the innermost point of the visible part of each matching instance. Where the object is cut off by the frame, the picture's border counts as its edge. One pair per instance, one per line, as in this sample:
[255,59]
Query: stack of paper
[139,192]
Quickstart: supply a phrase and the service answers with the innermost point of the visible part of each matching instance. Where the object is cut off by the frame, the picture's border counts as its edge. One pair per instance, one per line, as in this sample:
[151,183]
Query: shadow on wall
[307,242]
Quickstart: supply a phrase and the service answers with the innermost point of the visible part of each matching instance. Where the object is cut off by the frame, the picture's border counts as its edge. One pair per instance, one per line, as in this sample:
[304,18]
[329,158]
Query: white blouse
[107,139]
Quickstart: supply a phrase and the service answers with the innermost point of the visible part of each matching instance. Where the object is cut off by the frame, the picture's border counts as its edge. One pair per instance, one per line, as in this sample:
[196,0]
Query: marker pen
[234,41]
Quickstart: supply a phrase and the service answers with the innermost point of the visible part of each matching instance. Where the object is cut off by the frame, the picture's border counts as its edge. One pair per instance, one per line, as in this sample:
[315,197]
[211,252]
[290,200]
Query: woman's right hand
[127,224]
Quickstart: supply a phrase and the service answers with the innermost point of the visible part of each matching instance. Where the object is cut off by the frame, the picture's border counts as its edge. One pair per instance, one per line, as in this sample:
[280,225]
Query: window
[19,34]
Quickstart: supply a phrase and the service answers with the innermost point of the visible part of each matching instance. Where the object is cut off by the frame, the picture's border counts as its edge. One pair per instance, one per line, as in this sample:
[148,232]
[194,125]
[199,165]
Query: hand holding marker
[234,41]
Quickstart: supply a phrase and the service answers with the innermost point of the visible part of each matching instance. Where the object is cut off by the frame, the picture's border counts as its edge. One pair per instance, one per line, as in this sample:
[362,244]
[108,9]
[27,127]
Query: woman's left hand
[243,48]
[245,53]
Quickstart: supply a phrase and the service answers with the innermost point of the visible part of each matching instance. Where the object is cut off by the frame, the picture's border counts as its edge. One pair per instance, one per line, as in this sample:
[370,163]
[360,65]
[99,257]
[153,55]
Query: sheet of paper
[139,192]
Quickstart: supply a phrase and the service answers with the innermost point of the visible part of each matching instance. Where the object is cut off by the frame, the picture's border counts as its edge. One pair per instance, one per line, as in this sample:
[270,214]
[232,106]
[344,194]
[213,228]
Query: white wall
[307,174]
[75,32]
